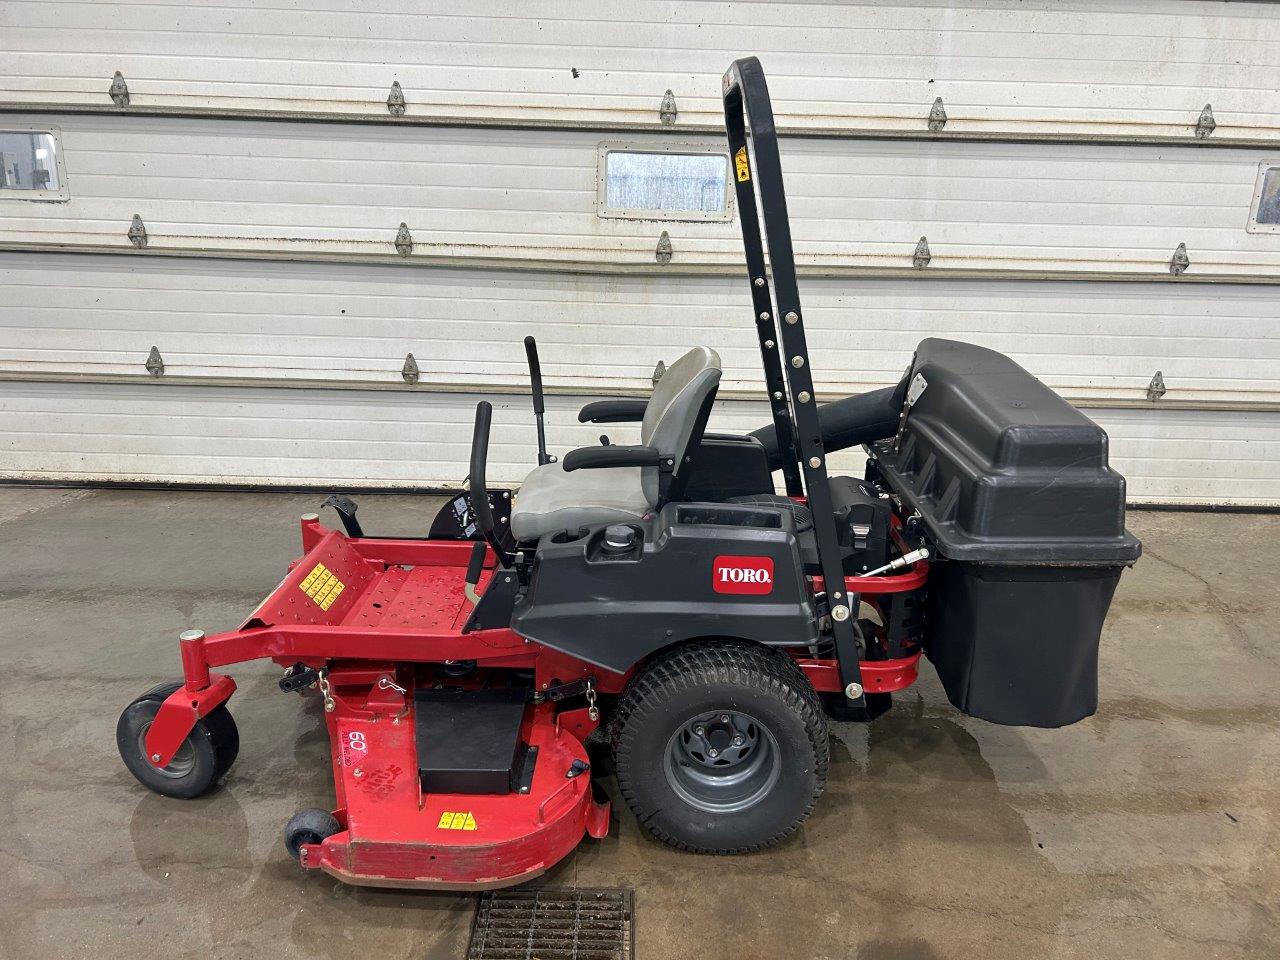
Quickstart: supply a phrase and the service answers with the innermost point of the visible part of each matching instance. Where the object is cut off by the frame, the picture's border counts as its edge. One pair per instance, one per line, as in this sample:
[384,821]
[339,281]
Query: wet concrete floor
[1150,830]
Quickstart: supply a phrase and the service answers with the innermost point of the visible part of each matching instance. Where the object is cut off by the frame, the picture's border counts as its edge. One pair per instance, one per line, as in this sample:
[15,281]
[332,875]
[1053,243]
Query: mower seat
[551,499]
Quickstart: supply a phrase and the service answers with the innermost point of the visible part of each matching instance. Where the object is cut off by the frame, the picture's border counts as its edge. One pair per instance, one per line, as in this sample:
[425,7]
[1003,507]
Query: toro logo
[742,575]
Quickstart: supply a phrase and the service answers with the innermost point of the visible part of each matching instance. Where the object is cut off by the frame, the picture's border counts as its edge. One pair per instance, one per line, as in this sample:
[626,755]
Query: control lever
[474,569]
[535,378]
[478,491]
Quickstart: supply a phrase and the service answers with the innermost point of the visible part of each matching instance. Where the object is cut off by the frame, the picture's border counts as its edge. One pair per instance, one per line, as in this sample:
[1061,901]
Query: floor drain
[590,923]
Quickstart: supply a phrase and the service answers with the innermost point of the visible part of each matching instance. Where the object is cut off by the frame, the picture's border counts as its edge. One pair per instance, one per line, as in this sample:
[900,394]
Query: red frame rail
[289,629]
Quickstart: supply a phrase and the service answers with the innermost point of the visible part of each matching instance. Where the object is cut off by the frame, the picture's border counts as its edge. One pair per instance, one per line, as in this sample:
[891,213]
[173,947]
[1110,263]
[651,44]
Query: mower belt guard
[468,740]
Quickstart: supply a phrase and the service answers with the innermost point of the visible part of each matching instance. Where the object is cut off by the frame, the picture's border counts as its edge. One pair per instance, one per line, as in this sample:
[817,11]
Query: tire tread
[766,670]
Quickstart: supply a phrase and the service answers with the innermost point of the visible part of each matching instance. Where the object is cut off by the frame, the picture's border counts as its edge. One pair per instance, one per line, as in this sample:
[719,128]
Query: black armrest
[589,458]
[613,411]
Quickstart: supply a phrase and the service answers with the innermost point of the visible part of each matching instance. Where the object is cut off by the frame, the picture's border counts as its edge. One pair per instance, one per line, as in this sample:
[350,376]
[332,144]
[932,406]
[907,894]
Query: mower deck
[394,835]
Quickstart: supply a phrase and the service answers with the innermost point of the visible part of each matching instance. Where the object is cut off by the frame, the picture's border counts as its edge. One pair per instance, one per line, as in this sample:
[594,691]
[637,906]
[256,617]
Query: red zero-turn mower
[665,603]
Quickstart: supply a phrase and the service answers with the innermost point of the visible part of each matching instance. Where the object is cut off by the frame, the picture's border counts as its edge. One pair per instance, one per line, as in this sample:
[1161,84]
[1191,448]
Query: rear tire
[203,759]
[720,747]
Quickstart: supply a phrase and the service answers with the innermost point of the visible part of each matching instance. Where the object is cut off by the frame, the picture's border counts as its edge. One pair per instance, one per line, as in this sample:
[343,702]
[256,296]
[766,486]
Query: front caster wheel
[202,760]
[720,747]
[308,826]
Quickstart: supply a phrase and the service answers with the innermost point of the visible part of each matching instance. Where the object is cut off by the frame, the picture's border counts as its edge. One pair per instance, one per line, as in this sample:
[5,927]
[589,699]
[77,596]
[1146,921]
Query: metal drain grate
[591,923]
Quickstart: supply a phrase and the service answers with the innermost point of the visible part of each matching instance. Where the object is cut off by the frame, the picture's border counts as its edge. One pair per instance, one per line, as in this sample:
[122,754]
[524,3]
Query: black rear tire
[720,747]
[203,759]
[308,826]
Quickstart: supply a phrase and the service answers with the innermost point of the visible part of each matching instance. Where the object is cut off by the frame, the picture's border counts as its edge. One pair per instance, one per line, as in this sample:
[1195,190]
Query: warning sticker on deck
[456,821]
[741,166]
[322,587]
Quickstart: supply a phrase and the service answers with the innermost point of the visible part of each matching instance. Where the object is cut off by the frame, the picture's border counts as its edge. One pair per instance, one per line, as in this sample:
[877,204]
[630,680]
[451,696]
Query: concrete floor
[1149,830]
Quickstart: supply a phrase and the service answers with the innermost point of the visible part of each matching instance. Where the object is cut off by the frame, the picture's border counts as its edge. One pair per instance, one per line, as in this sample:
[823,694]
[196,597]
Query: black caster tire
[308,826]
[720,747]
[203,759]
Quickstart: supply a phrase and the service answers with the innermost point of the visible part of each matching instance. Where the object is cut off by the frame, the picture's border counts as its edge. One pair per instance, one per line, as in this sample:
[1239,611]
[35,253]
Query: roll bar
[766,231]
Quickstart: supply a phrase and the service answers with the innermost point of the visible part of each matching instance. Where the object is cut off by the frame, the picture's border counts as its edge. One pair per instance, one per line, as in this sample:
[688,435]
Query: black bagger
[1012,488]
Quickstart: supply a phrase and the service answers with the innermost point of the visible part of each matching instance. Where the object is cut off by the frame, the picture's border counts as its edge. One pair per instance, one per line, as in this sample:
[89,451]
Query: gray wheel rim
[722,761]
[183,762]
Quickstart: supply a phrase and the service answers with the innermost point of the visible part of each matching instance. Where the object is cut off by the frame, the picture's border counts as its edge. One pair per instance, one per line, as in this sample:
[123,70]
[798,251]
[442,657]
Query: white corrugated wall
[258,151]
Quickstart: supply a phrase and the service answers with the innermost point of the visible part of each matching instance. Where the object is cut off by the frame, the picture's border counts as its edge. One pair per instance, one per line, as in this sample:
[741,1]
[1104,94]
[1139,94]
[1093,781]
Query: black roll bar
[766,230]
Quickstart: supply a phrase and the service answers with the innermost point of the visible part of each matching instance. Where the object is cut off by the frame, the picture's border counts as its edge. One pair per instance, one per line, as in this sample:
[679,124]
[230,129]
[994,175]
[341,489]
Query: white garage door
[1099,233]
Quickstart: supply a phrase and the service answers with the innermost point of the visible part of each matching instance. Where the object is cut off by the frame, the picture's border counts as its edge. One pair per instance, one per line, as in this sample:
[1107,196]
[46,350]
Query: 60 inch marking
[355,747]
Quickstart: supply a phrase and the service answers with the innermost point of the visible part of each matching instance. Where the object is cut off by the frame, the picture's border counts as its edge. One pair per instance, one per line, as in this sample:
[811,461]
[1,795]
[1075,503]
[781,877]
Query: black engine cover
[695,570]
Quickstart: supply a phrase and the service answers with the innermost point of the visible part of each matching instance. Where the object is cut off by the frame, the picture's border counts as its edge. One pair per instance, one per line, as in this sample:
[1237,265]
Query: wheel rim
[183,762]
[722,761]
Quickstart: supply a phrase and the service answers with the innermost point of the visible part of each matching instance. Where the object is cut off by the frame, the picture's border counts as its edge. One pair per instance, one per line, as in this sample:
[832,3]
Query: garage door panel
[260,188]
[325,438]
[1013,66]
[78,315]
[1067,173]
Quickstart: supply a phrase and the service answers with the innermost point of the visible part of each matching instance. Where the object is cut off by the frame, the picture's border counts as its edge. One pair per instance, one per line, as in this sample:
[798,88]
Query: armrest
[590,458]
[613,411]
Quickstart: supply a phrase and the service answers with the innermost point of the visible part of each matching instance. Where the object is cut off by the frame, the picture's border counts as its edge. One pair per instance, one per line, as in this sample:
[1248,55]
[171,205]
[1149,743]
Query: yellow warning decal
[456,821]
[322,587]
[741,166]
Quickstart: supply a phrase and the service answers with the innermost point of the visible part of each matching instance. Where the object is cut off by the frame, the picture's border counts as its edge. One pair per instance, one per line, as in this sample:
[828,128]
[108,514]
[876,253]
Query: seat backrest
[678,401]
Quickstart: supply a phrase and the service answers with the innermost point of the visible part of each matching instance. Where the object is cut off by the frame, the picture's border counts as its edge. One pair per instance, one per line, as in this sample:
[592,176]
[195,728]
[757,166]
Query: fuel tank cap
[619,538]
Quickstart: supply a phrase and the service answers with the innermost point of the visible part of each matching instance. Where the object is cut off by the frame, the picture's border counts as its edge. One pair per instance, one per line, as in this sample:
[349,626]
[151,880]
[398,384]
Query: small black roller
[308,826]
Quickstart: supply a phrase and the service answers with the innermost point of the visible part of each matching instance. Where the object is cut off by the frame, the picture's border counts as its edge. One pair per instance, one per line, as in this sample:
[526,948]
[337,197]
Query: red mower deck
[394,835]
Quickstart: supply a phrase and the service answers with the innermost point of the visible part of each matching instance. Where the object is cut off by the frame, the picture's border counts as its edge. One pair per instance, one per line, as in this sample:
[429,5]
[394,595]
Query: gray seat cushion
[673,408]
[551,500]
